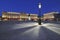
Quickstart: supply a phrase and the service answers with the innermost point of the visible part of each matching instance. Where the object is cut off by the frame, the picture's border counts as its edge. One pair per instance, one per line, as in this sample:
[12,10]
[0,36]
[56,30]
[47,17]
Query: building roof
[13,13]
[52,13]
[20,13]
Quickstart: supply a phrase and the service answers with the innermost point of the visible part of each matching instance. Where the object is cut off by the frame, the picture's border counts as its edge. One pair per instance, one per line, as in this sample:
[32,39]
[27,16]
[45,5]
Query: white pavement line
[34,32]
[57,30]
[17,26]
[53,27]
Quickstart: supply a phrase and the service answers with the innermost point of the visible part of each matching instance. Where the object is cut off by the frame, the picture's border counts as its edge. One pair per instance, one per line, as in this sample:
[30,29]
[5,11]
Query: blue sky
[29,6]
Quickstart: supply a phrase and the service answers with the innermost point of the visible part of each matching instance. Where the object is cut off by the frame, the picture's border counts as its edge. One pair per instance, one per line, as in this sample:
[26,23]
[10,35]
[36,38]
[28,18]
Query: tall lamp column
[39,14]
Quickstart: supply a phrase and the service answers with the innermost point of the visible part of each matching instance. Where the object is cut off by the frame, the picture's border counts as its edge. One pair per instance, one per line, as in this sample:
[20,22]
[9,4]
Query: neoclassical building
[52,16]
[8,16]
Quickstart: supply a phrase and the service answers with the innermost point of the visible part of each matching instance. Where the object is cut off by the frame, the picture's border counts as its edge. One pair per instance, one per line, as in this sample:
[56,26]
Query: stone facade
[52,16]
[18,16]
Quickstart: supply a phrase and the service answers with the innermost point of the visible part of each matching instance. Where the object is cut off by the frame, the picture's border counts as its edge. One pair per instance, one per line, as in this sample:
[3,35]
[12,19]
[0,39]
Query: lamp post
[39,14]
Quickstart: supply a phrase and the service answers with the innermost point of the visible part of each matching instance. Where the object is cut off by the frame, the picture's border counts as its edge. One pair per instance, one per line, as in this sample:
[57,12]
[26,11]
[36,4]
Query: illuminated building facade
[18,16]
[10,16]
[52,16]
[34,17]
[0,18]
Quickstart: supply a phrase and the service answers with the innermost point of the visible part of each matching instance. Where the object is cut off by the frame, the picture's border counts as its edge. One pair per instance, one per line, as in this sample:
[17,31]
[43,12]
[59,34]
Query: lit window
[3,15]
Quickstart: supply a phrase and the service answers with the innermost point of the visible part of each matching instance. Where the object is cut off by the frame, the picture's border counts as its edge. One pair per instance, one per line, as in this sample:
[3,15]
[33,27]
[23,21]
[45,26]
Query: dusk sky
[29,6]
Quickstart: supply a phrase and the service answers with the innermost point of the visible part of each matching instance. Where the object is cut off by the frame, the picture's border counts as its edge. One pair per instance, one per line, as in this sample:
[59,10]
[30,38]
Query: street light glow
[39,5]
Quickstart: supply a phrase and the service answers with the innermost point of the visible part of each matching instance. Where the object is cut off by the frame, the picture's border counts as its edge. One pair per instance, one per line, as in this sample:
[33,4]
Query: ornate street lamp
[39,15]
[39,5]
